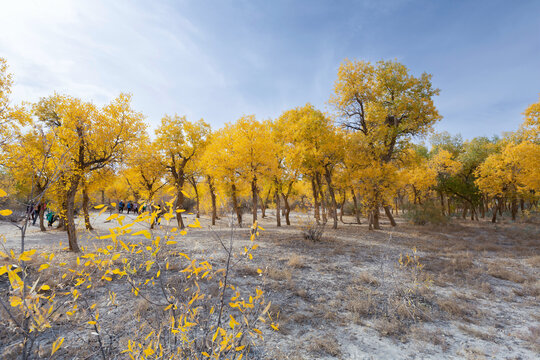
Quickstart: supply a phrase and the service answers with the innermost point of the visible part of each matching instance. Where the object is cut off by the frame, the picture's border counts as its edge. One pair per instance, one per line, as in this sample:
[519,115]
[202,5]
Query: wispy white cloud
[222,59]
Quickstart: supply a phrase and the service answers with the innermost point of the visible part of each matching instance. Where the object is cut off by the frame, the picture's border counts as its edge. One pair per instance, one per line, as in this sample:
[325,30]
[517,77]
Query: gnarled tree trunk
[317,214]
[389,215]
[85,201]
[235,205]
[328,177]
[42,216]
[278,207]
[213,197]
[356,210]
[321,194]
[70,214]
[254,192]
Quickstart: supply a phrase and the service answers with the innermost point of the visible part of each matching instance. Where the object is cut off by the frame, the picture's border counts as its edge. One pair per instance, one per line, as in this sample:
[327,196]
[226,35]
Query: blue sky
[220,60]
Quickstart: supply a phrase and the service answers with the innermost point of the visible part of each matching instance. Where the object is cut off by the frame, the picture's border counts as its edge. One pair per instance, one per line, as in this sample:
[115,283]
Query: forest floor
[475,296]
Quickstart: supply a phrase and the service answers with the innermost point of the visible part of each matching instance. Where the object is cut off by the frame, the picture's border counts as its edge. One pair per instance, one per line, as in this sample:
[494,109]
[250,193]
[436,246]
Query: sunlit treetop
[385,103]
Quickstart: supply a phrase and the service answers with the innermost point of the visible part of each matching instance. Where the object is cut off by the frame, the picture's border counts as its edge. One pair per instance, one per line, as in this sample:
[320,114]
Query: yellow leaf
[170,242]
[43,267]
[99,206]
[27,255]
[183,232]
[45,287]
[146,233]
[56,345]
[16,301]
[112,217]
[2,193]
[92,322]
[267,307]
[113,204]
[6,212]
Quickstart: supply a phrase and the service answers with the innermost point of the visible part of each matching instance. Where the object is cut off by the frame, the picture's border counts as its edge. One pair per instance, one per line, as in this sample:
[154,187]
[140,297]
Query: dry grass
[503,272]
[141,307]
[247,270]
[435,337]
[532,336]
[390,327]
[325,345]
[366,278]
[529,288]
[296,261]
[534,261]
[477,333]
[279,275]
[452,307]
[360,307]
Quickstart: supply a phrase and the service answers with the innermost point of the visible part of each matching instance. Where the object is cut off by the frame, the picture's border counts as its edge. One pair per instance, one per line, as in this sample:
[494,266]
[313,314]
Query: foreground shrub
[133,295]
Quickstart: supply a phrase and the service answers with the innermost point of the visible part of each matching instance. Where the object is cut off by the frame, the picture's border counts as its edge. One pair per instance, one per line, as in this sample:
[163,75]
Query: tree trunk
[356,210]
[328,177]
[85,201]
[441,196]
[235,205]
[179,206]
[514,209]
[465,209]
[70,216]
[321,193]
[278,207]
[522,204]
[254,198]
[287,208]
[389,215]
[376,224]
[213,196]
[342,205]
[264,204]
[496,207]
[315,200]
[196,190]
[42,216]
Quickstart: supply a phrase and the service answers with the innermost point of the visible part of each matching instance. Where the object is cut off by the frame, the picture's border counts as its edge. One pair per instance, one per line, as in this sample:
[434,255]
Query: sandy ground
[482,301]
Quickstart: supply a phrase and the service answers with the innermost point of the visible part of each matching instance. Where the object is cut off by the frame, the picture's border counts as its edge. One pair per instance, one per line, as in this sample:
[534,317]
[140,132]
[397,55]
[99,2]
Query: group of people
[130,207]
[34,210]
